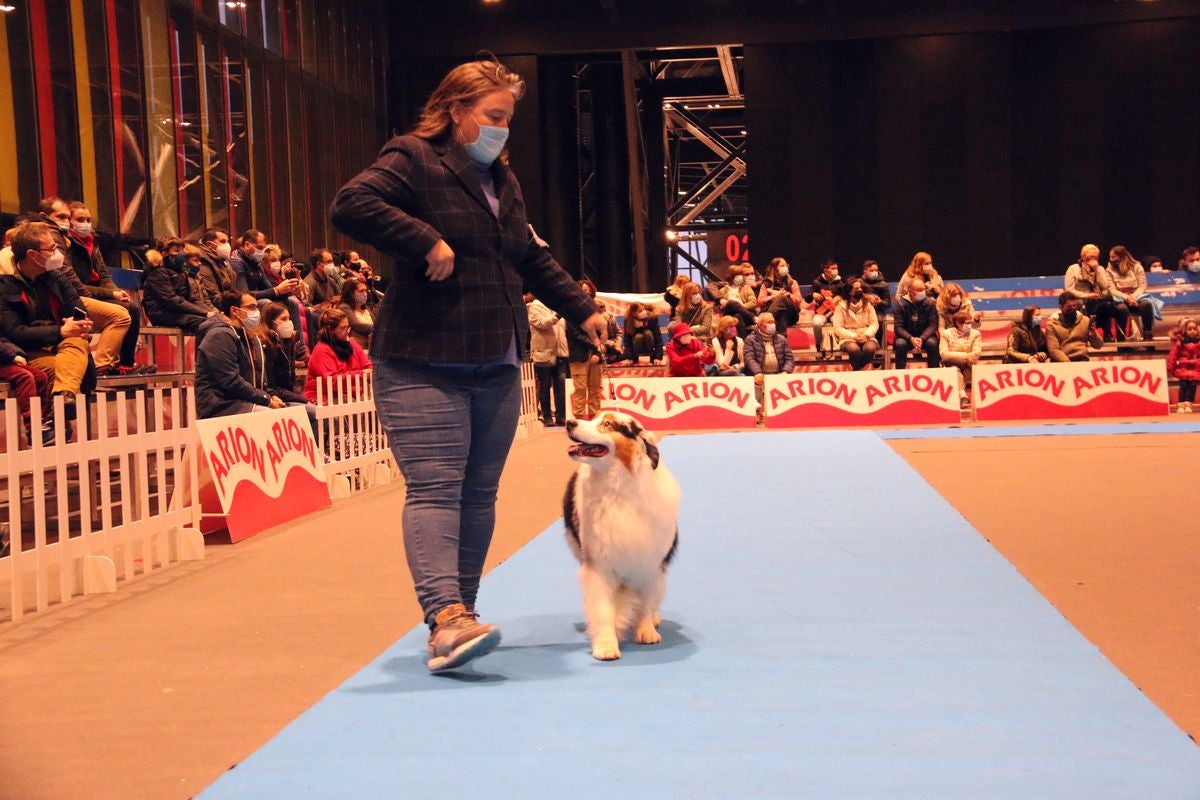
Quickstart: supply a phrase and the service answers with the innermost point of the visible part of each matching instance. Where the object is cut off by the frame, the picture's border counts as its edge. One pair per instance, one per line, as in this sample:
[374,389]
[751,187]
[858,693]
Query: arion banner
[260,469]
[663,404]
[870,397]
[1058,390]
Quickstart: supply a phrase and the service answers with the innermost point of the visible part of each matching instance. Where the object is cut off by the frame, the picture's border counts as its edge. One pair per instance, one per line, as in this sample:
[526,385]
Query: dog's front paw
[606,649]
[647,634]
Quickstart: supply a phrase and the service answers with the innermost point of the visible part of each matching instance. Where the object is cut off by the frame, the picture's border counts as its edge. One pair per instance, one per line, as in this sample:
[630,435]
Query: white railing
[102,506]
[529,422]
[357,456]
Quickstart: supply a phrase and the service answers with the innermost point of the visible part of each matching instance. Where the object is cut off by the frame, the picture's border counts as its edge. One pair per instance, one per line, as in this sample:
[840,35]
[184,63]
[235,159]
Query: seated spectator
[357,266]
[1026,342]
[1087,281]
[739,288]
[1070,331]
[1128,280]
[687,353]
[952,300]
[643,337]
[7,266]
[826,288]
[324,280]
[278,334]
[914,326]
[42,315]
[717,293]
[728,350]
[114,320]
[231,362]
[1183,362]
[27,382]
[1153,264]
[766,350]
[172,293]
[921,267]
[584,361]
[961,347]
[855,325]
[675,291]
[216,273]
[1190,263]
[878,293]
[779,294]
[548,352]
[694,312]
[335,354]
[614,340]
[355,295]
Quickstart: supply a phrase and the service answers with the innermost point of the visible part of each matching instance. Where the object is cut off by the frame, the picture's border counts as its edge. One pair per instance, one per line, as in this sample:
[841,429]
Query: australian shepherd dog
[621,509]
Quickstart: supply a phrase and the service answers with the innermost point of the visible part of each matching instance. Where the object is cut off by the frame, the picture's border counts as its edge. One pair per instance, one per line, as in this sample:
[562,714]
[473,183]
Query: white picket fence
[80,516]
[357,456]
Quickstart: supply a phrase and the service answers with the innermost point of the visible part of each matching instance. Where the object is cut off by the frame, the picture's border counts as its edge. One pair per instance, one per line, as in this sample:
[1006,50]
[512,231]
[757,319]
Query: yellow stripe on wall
[10,199]
[83,95]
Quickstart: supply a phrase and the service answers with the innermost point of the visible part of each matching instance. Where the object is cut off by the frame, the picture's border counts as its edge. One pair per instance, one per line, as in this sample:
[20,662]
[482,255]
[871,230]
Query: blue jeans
[450,429]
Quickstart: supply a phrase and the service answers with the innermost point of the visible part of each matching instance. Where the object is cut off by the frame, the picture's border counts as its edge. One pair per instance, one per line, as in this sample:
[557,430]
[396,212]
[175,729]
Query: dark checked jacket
[420,191]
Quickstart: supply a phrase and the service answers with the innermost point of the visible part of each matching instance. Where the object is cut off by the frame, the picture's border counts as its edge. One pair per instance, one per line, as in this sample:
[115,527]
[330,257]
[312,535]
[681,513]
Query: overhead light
[235,4]
[7,8]
[671,235]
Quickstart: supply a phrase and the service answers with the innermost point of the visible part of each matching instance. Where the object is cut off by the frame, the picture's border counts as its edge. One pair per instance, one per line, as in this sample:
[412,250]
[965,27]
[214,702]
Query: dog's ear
[651,453]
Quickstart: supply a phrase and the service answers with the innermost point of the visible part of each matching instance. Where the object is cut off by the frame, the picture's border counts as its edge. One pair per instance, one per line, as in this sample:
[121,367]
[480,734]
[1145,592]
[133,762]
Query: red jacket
[1184,360]
[324,362]
[687,361]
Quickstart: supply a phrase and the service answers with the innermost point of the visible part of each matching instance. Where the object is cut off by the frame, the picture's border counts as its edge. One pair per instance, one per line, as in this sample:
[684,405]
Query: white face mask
[782,272]
[331,270]
[257,255]
[738,280]
[273,267]
[695,299]
[224,250]
[252,320]
[770,329]
[82,228]
[52,263]
[62,226]
[360,298]
[919,298]
[285,329]
[1193,266]
[872,276]
[1036,322]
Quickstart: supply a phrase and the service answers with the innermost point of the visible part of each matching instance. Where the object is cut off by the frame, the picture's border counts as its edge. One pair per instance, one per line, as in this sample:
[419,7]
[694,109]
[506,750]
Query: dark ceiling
[454,28]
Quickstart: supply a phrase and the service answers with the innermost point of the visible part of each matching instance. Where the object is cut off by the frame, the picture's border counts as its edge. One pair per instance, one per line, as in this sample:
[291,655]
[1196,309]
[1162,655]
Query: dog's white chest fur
[627,522]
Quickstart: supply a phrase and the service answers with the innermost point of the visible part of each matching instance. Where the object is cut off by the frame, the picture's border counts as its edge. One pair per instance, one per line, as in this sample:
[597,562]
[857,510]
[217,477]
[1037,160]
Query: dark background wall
[1000,153]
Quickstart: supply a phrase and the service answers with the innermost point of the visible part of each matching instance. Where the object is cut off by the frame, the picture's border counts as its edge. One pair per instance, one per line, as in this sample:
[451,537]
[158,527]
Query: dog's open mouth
[583,450]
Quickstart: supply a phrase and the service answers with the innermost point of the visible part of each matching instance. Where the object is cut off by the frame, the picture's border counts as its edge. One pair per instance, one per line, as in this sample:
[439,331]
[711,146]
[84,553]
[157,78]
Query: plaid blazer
[420,191]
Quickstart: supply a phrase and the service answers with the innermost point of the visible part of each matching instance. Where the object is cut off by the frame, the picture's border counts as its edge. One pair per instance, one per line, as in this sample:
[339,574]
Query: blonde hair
[1125,260]
[916,266]
[1088,250]
[724,324]
[272,252]
[464,85]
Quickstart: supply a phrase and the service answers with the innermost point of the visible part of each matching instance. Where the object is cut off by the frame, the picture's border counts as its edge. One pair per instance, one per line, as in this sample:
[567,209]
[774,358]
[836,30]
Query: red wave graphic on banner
[902,412]
[1114,404]
[253,510]
[702,418]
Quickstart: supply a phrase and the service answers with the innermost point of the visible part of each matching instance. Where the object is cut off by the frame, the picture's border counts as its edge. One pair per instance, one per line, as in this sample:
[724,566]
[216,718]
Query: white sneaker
[1184,408]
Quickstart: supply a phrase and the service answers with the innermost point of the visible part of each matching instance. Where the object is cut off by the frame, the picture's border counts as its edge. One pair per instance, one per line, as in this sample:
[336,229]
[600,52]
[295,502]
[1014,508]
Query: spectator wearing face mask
[826,288]
[878,294]
[1026,342]
[355,297]
[739,288]
[921,267]
[1190,263]
[1128,280]
[961,347]
[41,314]
[230,360]
[642,335]
[915,326]
[335,354]
[694,311]
[278,334]
[1089,282]
[687,353]
[855,325]
[1183,362]
[952,300]
[1070,332]
[173,295]
[324,280]
[216,273]
[766,350]
[729,350]
[779,294]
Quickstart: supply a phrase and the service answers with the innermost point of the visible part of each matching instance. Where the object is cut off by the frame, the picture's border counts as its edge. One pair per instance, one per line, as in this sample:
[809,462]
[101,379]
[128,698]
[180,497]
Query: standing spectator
[27,382]
[914,326]
[354,305]
[216,274]
[1070,332]
[230,362]
[324,280]
[1087,281]
[335,353]
[694,312]
[1183,362]
[952,300]
[548,351]
[780,295]
[278,334]
[643,337]
[855,325]
[1128,279]
[728,349]
[41,313]
[686,353]
[921,267]
[584,361]
[117,345]
[961,347]
[1026,342]
[173,295]
[823,296]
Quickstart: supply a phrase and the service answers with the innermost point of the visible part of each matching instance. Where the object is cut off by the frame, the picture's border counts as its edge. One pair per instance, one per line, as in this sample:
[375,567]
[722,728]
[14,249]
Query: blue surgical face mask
[487,146]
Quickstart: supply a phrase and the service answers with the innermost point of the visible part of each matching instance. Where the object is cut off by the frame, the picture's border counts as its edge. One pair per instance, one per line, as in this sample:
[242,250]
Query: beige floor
[155,691]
